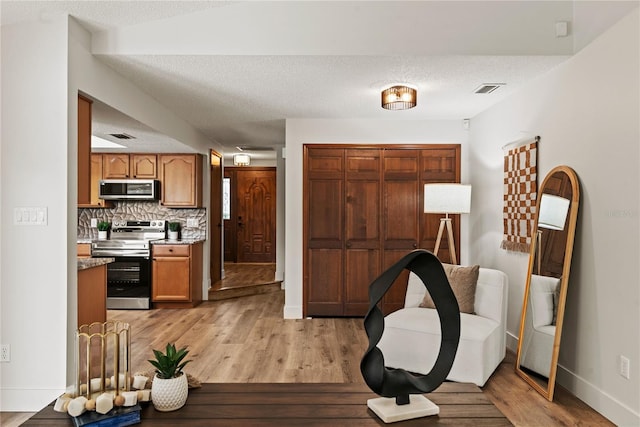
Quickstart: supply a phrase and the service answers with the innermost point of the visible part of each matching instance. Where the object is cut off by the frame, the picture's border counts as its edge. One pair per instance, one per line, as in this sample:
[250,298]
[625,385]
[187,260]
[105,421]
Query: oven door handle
[121,253]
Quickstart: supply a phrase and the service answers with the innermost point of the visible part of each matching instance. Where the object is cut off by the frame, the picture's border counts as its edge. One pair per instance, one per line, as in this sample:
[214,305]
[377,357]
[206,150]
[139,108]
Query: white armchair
[411,338]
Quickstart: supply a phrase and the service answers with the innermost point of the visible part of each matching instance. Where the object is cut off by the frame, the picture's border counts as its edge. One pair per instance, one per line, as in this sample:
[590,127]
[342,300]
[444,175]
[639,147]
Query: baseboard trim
[27,400]
[616,411]
[292,312]
[603,403]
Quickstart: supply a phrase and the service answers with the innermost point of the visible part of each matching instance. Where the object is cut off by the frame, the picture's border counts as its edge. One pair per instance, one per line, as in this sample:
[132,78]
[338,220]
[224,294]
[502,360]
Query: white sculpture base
[387,410]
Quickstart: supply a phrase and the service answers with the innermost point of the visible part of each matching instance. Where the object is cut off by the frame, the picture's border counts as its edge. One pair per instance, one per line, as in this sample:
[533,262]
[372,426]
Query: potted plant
[170,387]
[103,229]
[174,229]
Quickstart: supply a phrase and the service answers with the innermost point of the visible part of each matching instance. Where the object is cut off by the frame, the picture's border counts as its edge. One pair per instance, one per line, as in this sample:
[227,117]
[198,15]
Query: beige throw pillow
[463,281]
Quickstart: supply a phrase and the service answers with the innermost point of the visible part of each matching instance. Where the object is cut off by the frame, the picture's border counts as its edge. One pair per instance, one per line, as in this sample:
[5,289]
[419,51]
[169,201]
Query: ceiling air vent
[488,87]
[122,136]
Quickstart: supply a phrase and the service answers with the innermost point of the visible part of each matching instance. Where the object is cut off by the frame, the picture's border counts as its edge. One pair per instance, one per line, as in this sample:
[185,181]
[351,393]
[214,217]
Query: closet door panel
[362,266]
[325,296]
[326,213]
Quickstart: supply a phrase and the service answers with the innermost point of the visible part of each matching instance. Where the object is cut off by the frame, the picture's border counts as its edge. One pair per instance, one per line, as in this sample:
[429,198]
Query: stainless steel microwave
[129,189]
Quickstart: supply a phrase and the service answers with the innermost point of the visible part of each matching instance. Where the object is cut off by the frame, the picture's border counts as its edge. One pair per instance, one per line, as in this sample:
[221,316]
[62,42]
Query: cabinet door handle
[415,246]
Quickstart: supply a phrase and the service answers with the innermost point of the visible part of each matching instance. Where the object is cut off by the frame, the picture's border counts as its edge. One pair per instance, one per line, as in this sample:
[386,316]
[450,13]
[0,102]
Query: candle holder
[103,358]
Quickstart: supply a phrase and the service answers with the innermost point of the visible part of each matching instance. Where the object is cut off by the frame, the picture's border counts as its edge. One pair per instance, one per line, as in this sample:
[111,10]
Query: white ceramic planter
[102,235]
[169,395]
[173,235]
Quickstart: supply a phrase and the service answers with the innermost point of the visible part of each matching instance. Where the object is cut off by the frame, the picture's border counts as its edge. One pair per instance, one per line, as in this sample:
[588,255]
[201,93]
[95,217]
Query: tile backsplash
[143,211]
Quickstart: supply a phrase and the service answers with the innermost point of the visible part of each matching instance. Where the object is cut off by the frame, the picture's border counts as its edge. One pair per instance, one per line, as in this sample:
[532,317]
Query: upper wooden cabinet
[125,166]
[96,176]
[143,166]
[115,166]
[181,180]
[84,151]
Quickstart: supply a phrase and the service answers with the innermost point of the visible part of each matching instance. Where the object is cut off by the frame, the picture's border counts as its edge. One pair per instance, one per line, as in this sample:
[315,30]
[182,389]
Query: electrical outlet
[5,353]
[624,367]
[192,222]
[94,222]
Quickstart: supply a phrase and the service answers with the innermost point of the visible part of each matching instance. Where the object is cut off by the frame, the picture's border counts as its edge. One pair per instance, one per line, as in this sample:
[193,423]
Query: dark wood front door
[255,215]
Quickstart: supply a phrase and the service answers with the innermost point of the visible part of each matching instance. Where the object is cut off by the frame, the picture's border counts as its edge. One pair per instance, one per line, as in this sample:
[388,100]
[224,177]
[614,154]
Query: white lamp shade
[553,212]
[447,198]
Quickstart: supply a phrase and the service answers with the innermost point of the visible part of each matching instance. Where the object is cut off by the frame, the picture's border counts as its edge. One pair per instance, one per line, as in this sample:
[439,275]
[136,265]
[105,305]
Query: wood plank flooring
[246,340]
[243,279]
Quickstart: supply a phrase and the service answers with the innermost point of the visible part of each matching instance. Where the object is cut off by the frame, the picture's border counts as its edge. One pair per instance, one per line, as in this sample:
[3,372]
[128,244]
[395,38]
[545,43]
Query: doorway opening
[249,218]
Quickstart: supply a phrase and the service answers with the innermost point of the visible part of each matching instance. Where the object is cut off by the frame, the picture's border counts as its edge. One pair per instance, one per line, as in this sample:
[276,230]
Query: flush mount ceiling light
[241,159]
[399,97]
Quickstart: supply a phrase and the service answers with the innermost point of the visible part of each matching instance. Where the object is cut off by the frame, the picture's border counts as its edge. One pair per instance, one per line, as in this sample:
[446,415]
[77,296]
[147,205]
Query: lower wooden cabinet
[92,295]
[176,275]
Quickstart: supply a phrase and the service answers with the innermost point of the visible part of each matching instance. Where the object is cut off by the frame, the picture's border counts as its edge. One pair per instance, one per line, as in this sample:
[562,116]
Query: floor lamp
[552,216]
[447,199]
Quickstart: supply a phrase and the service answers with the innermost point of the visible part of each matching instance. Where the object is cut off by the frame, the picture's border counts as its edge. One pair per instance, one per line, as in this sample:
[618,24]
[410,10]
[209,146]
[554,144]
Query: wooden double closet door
[363,211]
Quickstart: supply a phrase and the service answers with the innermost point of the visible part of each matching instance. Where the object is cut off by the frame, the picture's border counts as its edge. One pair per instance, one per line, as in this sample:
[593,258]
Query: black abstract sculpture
[398,383]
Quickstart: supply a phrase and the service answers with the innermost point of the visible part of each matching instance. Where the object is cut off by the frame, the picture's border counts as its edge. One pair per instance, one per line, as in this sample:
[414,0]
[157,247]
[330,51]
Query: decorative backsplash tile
[142,211]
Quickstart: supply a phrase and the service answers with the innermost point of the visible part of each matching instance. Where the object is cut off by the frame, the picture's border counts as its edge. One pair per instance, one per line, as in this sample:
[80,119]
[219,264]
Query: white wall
[34,168]
[44,65]
[587,114]
[354,131]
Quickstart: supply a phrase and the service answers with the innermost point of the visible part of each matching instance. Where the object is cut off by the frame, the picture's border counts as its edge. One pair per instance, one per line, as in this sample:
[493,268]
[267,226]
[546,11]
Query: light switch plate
[30,216]
[94,222]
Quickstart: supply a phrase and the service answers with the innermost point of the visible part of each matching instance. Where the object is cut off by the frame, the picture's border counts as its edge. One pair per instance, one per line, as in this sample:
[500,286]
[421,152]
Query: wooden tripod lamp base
[446,223]
[447,198]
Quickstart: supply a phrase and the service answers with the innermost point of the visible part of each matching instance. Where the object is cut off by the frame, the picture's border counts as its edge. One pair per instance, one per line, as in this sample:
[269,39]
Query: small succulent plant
[169,364]
[104,226]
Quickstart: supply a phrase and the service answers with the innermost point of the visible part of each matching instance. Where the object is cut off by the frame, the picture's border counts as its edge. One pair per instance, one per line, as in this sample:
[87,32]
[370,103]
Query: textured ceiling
[237,70]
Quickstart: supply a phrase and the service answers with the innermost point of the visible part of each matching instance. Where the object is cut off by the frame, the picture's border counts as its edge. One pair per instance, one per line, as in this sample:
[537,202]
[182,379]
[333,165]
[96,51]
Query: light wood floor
[247,340]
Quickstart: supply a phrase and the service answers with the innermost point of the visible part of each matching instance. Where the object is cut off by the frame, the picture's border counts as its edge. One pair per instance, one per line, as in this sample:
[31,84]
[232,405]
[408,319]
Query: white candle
[96,384]
[60,403]
[130,397]
[139,382]
[104,403]
[76,406]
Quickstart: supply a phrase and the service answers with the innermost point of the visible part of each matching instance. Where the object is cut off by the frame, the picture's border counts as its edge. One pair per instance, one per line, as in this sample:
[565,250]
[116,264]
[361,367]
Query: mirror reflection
[547,279]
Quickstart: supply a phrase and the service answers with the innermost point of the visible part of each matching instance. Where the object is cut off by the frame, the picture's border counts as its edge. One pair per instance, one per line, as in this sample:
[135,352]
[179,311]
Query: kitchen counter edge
[86,263]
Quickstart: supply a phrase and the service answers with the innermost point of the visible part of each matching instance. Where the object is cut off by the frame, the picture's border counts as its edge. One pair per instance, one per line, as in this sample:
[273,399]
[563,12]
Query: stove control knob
[153,223]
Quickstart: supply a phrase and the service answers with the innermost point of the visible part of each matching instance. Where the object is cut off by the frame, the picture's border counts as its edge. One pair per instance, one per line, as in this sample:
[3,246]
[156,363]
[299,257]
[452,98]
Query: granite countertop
[86,263]
[186,241]
[84,240]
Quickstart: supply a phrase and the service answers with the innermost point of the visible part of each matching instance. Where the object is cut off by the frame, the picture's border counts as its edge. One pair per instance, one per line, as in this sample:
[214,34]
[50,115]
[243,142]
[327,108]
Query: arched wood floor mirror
[547,280]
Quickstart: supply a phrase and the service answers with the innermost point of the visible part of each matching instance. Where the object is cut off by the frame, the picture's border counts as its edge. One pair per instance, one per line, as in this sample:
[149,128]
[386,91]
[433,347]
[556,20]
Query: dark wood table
[303,404]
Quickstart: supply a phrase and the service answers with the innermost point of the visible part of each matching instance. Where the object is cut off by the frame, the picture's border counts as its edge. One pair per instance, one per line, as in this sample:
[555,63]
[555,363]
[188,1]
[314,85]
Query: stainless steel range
[129,277]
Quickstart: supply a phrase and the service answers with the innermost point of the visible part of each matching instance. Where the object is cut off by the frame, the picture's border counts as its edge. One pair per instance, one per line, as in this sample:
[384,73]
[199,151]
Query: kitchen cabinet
[84,151]
[95,175]
[115,166]
[176,275]
[143,166]
[128,165]
[92,295]
[363,211]
[84,250]
[181,180]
